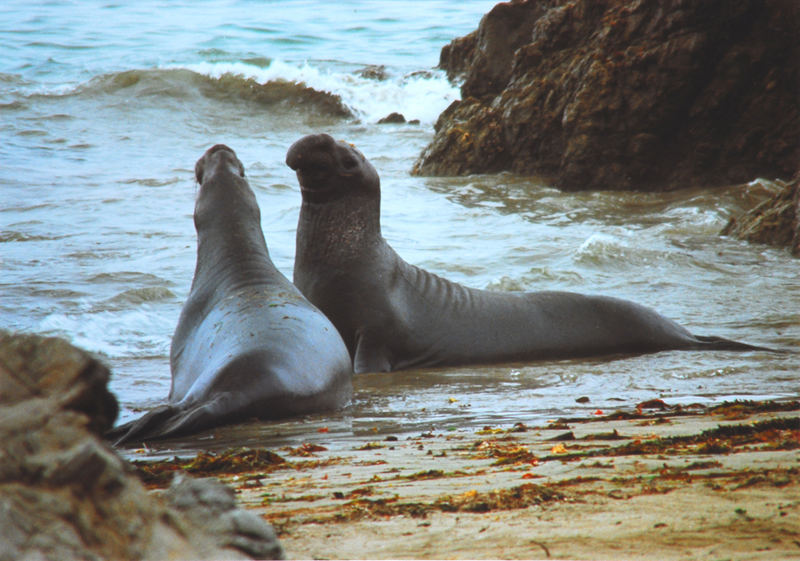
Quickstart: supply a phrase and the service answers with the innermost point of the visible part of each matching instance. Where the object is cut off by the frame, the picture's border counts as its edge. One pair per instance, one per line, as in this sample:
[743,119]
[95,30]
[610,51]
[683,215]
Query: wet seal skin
[247,344]
[393,315]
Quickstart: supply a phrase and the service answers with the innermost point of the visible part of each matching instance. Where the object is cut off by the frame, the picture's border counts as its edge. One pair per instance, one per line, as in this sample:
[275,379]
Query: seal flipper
[711,342]
[168,420]
[369,357]
[144,427]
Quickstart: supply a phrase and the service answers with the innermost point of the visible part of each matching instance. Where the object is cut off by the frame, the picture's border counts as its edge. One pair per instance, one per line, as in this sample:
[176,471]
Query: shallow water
[101,126]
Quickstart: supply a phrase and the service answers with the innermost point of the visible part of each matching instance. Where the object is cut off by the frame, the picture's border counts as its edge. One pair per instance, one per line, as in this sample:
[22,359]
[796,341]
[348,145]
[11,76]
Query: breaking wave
[280,86]
[419,95]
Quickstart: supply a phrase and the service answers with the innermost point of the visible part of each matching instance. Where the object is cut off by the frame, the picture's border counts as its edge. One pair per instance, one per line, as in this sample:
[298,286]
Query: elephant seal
[247,344]
[393,315]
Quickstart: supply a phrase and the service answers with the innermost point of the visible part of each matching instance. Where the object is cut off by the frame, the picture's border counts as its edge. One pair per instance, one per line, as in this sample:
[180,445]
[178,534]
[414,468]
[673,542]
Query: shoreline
[658,482]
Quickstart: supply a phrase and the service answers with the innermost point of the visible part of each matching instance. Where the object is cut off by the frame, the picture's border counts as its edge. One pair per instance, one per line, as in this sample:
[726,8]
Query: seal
[393,315]
[247,343]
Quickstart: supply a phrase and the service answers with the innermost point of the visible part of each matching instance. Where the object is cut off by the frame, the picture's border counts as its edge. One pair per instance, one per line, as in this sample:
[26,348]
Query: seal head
[328,169]
[217,155]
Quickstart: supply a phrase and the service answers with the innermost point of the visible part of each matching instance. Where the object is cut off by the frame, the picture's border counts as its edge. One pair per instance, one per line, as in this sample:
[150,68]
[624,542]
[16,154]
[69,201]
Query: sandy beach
[649,482]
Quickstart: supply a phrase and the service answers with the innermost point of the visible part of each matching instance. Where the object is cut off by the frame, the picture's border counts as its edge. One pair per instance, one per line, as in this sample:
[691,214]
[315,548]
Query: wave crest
[283,87]
[291,95]
[185,83]
[366,94]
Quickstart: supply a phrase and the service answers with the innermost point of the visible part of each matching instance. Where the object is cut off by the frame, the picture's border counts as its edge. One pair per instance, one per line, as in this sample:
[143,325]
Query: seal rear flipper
[710,342]
[145,427]
[170,420]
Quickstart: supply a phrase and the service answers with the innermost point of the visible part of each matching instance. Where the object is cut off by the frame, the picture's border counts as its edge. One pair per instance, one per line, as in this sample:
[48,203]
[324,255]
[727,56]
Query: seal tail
[710,342]
[165,421]
[143,428]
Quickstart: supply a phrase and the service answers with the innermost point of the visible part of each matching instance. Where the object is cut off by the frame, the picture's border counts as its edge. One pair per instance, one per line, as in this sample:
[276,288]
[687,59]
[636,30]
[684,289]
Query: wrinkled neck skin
[337,242]
[338,233]
[231,250]
[340,215]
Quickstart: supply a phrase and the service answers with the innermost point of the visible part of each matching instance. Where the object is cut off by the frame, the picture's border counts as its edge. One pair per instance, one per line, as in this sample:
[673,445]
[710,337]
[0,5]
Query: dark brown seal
[247,344]
[393,315]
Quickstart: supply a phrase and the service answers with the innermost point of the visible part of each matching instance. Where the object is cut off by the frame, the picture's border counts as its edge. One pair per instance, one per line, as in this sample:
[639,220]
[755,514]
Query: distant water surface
[105,107]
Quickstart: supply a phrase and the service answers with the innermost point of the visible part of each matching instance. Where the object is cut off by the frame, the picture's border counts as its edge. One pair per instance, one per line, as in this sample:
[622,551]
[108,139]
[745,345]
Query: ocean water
[106,106]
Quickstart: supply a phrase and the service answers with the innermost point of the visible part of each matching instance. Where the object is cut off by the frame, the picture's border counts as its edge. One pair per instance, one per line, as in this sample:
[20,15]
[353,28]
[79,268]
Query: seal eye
[348,161]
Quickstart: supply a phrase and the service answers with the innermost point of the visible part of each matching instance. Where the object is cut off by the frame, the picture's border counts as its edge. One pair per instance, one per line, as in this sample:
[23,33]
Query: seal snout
[328,169]
[312,151]
[219,153]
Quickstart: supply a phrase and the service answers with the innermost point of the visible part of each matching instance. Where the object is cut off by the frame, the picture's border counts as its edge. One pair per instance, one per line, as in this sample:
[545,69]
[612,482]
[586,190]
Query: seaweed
[426,474]
[232,461]
[613,435]
[503,453]
[305,449]
[737,409]
[522,496]
[370,446]
[780,433]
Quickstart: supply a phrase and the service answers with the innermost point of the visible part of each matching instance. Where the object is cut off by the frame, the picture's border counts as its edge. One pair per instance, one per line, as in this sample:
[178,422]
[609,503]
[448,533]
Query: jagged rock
[613,94]
[457,55]
[51,368]
[374,72]
[211,505]
[66,494]
[392,118]
[774,221]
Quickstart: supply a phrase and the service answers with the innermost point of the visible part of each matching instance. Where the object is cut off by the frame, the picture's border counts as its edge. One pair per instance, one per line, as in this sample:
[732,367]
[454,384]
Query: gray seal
[247,344]
[393,315]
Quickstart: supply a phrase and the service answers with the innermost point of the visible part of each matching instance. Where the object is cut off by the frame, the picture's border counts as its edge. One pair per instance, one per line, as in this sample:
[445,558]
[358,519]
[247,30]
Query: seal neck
[230,244]
[338,231]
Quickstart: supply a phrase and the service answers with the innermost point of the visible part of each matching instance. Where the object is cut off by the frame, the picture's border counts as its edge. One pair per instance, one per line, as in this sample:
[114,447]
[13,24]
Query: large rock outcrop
[774,221]
[621,94]
[65,493]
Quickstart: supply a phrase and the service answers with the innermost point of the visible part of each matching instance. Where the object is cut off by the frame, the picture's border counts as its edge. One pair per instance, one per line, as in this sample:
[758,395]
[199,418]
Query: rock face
[620,94]
[774,221]
[65,494]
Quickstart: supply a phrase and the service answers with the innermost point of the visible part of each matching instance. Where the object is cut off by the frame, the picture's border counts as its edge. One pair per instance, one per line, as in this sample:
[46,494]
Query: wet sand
[651,482]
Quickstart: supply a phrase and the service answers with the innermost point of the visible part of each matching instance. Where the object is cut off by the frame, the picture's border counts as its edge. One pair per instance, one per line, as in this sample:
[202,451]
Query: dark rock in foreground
[613,94]
[392,118]
[65,494]
[374,72]
[33,368]
[774,221]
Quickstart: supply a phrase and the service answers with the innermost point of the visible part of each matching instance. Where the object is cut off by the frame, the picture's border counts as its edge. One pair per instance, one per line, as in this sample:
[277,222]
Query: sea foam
[421,96]
[119,334]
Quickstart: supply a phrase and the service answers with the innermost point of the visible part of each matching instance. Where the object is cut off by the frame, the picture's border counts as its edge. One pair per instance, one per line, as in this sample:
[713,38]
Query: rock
[419,74]
[53,369]
[456,56]
[392,118]
[212,506]
[66,494]
[612,94]
[467,132]
[774,221]
[374,72]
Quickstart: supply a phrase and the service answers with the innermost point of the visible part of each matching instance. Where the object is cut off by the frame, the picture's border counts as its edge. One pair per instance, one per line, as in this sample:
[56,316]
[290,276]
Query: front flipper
[370,356]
